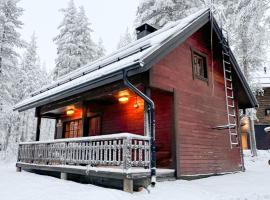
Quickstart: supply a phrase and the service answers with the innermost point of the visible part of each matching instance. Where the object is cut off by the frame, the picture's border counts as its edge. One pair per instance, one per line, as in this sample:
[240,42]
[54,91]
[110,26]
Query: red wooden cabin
[173,93]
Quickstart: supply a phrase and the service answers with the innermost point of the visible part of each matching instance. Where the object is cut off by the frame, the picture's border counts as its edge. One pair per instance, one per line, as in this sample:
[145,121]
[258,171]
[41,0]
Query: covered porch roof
[138,57]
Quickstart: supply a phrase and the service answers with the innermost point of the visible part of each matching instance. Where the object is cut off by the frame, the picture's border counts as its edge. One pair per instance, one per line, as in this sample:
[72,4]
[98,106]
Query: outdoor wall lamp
[123,99]
[70,112]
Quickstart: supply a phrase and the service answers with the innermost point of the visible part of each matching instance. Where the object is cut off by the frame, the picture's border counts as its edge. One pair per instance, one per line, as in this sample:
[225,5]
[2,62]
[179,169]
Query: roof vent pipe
[144,30]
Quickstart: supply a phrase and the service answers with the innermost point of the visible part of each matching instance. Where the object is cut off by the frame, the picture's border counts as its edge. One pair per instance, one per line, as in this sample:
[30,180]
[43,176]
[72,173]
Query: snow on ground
[250,185]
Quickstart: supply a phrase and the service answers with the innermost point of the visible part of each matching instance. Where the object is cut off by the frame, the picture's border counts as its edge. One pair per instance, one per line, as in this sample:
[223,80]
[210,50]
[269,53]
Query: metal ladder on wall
[230,98]
[229,93]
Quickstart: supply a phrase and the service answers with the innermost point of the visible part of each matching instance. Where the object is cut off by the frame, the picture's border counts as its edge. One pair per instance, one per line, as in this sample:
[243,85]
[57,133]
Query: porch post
[38,124]
[146,117]
[84,119]
[38,128]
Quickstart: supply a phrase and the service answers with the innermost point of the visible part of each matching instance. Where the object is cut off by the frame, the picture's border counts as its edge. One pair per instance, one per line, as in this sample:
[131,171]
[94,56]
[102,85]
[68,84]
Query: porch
[121,157]
[107,132]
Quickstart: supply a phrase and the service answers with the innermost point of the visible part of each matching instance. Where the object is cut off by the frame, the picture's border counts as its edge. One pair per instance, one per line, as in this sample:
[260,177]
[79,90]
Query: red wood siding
[121,117]
[199,106]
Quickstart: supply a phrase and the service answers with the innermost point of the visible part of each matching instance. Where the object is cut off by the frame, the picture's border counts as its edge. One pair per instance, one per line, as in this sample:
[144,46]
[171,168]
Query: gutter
[151,117]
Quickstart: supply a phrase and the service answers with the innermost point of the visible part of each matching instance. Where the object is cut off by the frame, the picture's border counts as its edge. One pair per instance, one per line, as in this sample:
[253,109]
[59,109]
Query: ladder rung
[235,134]
[228,71]
[231,106]
[225,53]
[228,79]
[234,143]
[226,62]
[230,97]
[232,115]
[229,88]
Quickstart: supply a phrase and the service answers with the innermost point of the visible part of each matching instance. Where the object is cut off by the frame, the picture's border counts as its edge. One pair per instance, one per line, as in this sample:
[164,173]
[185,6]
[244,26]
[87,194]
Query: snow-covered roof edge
[144,52]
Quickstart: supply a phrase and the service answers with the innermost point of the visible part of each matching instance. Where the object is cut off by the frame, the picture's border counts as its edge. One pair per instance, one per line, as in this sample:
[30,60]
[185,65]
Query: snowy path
[254,184]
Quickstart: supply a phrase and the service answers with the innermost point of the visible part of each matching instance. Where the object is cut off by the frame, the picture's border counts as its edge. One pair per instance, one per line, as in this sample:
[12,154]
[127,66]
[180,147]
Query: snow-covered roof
[139,54]
[262,77]
[132,54]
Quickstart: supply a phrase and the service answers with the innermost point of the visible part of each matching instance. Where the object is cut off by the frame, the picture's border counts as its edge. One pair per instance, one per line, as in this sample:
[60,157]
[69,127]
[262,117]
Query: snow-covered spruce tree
[87,48]
[125,39]
[10,39]
[159,12]
[75,46]
[67,44]
[32,77]
[250,35]
[100,50]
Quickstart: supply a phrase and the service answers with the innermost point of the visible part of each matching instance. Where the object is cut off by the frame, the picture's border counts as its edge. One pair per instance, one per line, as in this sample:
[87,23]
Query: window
[73,129]
[267,112]
[199,63]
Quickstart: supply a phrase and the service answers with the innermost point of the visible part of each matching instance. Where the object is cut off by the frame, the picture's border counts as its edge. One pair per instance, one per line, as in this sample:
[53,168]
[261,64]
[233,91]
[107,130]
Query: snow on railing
[124,149]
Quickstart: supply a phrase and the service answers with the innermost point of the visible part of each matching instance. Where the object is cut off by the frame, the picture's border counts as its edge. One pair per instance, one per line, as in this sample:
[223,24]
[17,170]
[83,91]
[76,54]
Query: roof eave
[134,69]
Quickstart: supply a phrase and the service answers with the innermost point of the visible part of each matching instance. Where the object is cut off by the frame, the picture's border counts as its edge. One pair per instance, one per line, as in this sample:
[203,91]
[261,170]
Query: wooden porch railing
[124,150]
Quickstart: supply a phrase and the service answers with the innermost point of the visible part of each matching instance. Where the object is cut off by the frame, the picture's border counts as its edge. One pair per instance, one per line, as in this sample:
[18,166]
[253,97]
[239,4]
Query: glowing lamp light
[136,105]
[123,99]
[70,112]
[244,124]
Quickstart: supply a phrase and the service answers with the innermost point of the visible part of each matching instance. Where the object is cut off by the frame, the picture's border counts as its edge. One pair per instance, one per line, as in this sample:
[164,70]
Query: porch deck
[123,156]
[106,172]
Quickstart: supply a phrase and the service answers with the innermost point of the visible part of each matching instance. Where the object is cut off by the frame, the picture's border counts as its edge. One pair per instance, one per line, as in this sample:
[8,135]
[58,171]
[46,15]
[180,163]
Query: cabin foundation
[63,176]
[18,169]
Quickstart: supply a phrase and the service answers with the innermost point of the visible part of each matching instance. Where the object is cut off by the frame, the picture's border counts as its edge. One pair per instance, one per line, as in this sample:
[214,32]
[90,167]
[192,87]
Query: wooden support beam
[38,128]
[128,185]
[18,169]
[84,119]
[63,176]
[37,114]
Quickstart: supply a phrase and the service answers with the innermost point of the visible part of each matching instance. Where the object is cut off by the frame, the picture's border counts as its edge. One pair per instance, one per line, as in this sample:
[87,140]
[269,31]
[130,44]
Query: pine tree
[247,23]
[158,12]
[34,76]
[67,43]
[100,49]
[31,77]
[125,39]
[86,45]
[10,39]
[75,46]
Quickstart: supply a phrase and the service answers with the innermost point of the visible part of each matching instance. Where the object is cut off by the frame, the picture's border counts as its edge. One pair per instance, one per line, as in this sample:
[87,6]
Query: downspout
[151,118]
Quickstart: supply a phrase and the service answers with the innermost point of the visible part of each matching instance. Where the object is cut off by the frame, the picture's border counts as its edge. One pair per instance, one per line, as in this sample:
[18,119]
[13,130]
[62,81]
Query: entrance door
[164,127]
[94,125]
